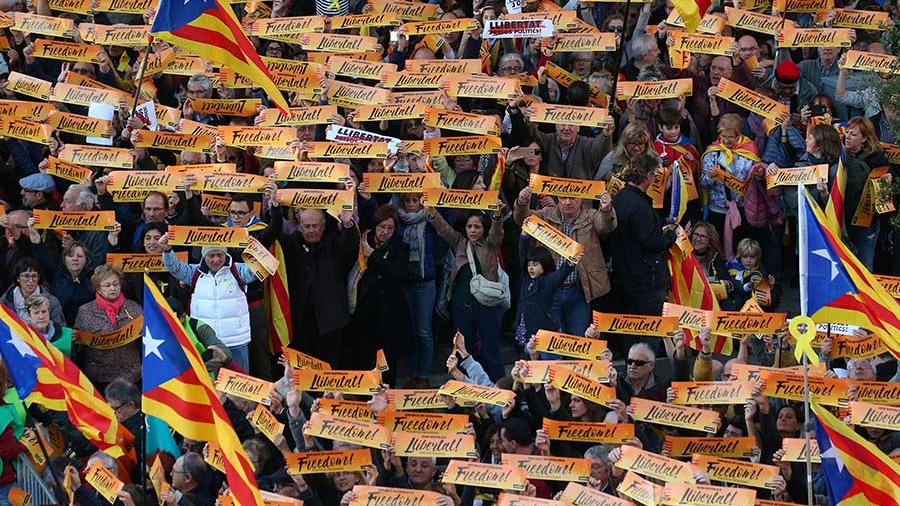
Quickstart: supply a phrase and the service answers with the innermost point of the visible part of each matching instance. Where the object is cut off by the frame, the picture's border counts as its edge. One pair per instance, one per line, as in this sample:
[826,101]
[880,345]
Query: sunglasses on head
[636,362]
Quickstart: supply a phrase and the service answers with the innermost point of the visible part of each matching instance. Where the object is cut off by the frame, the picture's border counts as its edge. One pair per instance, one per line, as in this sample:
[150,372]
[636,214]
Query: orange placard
[414,11]
[43,25]
[755,21]
[654,466]
[800,175]
[30,86]
[287,28]
[85,95]
[672,415]
[569,345]
[699,43]
[643,491]
[605,433]
[348,382]
[408,80]
[477,393]
[857,348]
[266,423]
[580,495]
[337,43]
[569,381]
[737,471]
[462,199]
[154,180]
[752,101]
[244,386]
[565,187]
[468,66]
[465,145]
[871,62]
[391,112]
[141,262]
[440,26]
[412,444]
[313,172]
[259,259]
[68,51]
[479,87]
[653,90]
[462,121]
[74,220]
[542,112]
[175,141]
[860,19]
[874,415]
[688,317]
[614,323]
[300,360]
[695,494]
[405,400]
[538,371]
[353,95]
[114,339]
[348,410]
[802,5]
[556,241]
[350,431]
[747,372]
[827,391]
[30,131]
[878,392]
[400,182]
[712,392]
[229,237]
[735,447]
[334,201]
[26,109]
[246,136]
[374,496]
[591,41]
[735,322]
[364,20]
[318,115]
[424,423]
[328,149]
[96,156]
[795,450]
[540,467]
[103,481]
[226,106]
[328,462]
[791,37]
[231,183]
[77,124]
[67,171]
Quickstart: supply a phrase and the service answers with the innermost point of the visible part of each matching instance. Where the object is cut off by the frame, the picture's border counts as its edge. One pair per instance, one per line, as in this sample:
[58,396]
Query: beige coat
[485,250]
[590,225]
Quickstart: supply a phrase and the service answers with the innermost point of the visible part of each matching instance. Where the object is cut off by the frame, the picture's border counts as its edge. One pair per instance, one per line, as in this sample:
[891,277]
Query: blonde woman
[634,142]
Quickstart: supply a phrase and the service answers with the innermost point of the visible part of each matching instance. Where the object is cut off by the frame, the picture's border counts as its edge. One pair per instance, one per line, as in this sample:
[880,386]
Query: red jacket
[10,448]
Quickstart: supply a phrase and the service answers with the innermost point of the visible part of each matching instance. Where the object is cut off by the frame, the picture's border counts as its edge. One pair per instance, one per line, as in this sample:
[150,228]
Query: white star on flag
[20,346]
[151,345]
[832,454]
[824,254]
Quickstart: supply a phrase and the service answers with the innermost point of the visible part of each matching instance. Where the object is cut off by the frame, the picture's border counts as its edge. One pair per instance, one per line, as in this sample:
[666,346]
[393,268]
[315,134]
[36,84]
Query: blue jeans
[865,239]
[241,356]
[4,494]
[571,310]
[420,299]
[483,323]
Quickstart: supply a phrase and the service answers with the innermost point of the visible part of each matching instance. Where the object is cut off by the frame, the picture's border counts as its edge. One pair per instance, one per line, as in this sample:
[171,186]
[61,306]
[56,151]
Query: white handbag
[486,292]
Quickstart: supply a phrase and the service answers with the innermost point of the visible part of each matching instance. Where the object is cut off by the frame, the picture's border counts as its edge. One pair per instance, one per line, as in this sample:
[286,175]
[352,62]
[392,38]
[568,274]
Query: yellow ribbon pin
[804,338]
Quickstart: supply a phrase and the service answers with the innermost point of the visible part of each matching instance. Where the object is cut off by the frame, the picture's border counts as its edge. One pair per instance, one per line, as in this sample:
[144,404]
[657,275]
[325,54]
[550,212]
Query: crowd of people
[396,273]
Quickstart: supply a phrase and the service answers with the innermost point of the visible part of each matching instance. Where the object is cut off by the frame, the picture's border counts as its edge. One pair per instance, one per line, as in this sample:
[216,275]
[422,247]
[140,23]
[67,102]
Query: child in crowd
[748,276]
[673,146]
[538,291]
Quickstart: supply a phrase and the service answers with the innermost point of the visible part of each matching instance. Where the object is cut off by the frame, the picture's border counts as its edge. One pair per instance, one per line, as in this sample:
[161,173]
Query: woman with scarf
[634,142]
[420,236]
[108,312]
[731,159]
[30,281]
[39,311]
[70,278]
[708,251]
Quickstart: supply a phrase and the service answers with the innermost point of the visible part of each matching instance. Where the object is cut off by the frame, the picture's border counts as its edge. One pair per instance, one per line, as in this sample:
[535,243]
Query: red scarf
[111,307]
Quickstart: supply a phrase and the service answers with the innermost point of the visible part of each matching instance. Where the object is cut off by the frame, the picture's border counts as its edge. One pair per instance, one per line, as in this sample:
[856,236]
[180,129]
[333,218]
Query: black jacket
[638,245]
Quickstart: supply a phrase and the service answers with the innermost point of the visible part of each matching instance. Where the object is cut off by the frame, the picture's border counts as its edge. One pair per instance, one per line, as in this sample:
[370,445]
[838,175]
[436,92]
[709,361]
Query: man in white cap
[218,295]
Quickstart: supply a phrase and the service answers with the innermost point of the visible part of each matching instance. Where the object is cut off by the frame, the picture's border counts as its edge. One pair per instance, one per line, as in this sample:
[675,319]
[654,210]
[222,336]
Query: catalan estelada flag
[856,471]
[177,389]
[835,287]
[691,12]
[277,302]
[210,30]
[43,375]
[691,288]
[679,195]
[834,210]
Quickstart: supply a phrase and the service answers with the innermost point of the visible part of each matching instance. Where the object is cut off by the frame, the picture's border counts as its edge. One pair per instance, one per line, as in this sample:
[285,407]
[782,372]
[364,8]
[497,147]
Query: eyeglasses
[29,275]
[635,362]
[511,68]
[616,29]
[239,214]
[116,408]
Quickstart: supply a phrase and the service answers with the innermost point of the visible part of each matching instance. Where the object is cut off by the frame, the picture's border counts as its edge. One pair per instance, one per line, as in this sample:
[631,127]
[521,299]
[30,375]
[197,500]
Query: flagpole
[140,79]
[619,51]
[802,271]
[809,489]
[143,456]
[39,430]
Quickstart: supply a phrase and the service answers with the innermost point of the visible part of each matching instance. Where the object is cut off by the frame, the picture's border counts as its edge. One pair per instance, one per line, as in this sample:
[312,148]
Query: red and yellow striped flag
[277,302]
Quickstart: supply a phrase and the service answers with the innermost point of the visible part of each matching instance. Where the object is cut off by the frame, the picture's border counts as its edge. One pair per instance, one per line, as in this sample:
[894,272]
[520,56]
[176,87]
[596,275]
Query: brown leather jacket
[485,250]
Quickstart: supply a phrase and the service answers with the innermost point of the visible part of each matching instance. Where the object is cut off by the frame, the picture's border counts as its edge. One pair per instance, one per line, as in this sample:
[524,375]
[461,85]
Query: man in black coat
[318,263]
[640,243]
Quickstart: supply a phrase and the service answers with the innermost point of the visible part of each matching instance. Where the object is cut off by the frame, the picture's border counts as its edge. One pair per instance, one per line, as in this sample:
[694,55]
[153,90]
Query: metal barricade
[30,481]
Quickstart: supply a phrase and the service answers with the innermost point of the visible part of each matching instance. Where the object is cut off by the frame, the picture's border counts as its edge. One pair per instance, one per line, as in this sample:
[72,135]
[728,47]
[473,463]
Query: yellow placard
[878,392]
[735,322]
[215,457]
[318,115]
[477,393]
[313,172]
[67,51]
[329,149]
[509,499]
[468,66]
[696,494]
[216,205]
[812,6]
[752,101]
[232,183]
[391,112]
[605,433]
[334,201]
[540,467]
[565,79]
[289,28]
[479,87]
[374,496]
[688,317]
[413,399]
[569,381]
[328,462]
[352,95]
[565,187]
[77,124]
[710,24]
[542,112]
[84,95]
[672,415]
[653,90]
[26,109]
[874,415]
[364,20]
[244,386]
[553,239]
[814,37]
[861,19]
[226,106]
[655,466]
[186,126]
[114,339]
[97,156]
[424,423]
[811,174]
[499,476]
[73,6]
[580,495]
[67,171]
[348,382]
[702,43]
[246,136]
[890,283]
[413,11]
[640,325]
[795,450]
[266,423]
[104,482]
[871,62]
[747,372]
[737,471]
[141,262]
[172,141]
[157,477]
[30,86]
[538,371]
[857,348]
[121,35]
[569,345]
[430,98]
[461,199]
[400,182]
[462,121]
[464,145]
[735,447]
[229,237]
[26,130]
[203,168]
[440,26]
[74,220]
[43,25]
[337,43]
[152,180]
[827,391]
[347,410]
[186,65]
[259,259]
[643,491]
[593,41]
[350,431]
[359,68]
[411,444]
[712,392]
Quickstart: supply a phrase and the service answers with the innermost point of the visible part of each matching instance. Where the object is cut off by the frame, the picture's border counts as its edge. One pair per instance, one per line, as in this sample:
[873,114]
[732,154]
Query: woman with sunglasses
[29,281]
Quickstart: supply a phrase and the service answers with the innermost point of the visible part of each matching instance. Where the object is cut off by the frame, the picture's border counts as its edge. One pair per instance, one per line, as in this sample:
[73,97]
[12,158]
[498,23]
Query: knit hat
[39,182]
[332,7]
[209,249]
[787,72]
